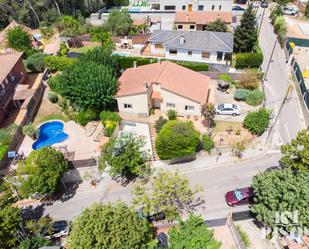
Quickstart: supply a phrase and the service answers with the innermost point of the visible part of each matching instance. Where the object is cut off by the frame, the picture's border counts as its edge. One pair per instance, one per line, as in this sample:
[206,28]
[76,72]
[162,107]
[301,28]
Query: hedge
[128,62]
[245,60]
[57,63]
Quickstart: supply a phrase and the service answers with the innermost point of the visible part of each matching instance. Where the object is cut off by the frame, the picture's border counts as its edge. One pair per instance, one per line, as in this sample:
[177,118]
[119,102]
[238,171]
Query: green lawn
[82,49]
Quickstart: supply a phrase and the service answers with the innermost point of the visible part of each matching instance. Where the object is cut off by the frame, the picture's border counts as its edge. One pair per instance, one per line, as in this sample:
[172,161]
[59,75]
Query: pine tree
[245,37]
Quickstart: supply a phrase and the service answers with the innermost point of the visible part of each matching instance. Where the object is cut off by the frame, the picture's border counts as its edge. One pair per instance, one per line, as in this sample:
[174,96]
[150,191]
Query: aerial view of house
[168,86]
[198,46]
[197,20]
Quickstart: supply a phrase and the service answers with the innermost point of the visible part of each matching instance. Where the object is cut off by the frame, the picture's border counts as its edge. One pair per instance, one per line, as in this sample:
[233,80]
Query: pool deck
[82,146]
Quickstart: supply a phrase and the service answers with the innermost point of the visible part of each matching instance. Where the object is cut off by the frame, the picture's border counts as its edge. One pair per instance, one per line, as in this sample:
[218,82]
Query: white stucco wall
[139,102]
[180,103]
[156,51]
[196,56]
[226,5]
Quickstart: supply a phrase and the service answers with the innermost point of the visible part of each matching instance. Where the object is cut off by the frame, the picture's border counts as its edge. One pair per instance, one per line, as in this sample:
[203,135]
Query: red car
[239,196]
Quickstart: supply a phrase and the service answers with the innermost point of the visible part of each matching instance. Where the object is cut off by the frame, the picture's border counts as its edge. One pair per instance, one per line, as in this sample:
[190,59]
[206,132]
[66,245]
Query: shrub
[159,123]
[195,66]
[53,83]
[226,78]
[245,60]
[208,143]
[53,97]
[35,62]
[109,127]
[241,94]
[249,79]
[84,117]
[31,131]
[63,51]
[108,115]
[172,115]
[258,121]
[57,63]
[177,139]
[255,97]
[3,149]
[280,29]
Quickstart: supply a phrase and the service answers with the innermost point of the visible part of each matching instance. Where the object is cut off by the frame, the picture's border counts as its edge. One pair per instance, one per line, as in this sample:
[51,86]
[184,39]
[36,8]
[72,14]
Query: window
[189,108]
[158,46]
[127,106]
[183,7]
[205,55]
[180,27]
[220,6]
[201,7]
[169,7]
[190,53]
[219,56]
[192,26]
[170,105]
[173,51]
[212,7]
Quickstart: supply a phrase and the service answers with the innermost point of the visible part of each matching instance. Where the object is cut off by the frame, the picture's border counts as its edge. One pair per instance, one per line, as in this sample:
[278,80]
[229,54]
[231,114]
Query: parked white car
[290,10]
[228,109]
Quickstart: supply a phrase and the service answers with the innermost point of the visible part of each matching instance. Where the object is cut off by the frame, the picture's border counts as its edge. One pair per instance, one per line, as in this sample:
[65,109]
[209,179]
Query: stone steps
[153,135]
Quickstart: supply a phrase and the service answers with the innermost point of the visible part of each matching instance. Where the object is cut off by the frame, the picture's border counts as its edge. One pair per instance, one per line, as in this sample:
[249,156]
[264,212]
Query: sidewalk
[255,151]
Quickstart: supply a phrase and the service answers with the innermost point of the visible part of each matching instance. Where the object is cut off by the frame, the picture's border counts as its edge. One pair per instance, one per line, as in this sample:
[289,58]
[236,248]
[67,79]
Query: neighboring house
[198,20]
[162,85]
[12,73]
[191,5]
[197,46]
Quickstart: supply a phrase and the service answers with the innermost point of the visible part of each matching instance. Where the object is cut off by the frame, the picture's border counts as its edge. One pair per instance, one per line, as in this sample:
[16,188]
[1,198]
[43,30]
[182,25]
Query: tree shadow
[33,212]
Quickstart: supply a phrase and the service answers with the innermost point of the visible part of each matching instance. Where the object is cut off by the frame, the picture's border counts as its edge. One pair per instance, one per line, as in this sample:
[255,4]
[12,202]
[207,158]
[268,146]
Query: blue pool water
[50,133]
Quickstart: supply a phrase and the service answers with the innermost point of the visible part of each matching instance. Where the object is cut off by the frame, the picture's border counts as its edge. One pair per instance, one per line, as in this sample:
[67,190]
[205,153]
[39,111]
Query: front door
[190,7]
[157,103]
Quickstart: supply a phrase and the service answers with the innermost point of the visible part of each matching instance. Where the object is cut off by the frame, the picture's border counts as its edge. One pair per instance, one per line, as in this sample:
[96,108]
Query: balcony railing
[7,93]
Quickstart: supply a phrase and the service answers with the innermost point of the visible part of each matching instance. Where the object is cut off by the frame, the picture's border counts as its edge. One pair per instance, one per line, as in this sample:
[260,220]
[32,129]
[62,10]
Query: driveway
[228,98]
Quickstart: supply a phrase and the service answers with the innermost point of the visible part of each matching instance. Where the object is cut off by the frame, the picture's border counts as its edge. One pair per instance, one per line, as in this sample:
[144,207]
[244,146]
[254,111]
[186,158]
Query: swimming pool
[125,54]
[50,133]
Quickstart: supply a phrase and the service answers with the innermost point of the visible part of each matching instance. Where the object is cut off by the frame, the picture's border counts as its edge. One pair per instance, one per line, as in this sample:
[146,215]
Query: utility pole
[266,72]
[288,91]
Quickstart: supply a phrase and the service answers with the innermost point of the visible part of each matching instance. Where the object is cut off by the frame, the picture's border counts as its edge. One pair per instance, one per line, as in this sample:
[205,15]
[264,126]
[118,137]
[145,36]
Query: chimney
[182,40]
[145,85]
[134,64]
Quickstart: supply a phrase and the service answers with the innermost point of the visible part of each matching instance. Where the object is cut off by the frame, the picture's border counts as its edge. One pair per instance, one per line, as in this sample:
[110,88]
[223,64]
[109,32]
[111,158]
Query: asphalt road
[277,80]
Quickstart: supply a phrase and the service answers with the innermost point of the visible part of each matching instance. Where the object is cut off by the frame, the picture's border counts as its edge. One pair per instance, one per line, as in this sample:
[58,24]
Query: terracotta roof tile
[7,62]
[170,76]
[202,17]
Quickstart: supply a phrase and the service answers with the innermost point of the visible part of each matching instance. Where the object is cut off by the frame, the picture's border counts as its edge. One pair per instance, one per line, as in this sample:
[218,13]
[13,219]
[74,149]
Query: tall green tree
[111,227]
[119,22]
[88,85]
[41,172]
[278,192]
[18,39]
[245,36]
[177,139]
[125,157]
[192,234]
[295,154]
[99,34]
[217,26]
[167,192]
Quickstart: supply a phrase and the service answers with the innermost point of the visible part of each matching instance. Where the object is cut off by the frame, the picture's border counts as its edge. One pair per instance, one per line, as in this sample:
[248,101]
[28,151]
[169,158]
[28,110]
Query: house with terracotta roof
[196,46]
[198,20]
[162,85]
[12,73]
